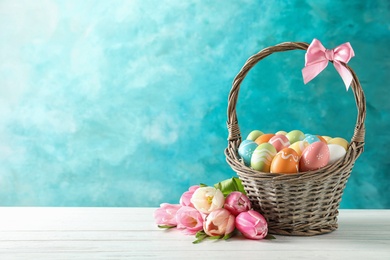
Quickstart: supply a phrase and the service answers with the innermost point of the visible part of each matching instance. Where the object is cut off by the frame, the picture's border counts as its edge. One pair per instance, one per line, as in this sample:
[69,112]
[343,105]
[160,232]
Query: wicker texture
[304,203]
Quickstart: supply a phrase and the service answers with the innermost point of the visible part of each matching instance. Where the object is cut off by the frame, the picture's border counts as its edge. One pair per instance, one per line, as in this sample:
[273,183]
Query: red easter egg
[314,157]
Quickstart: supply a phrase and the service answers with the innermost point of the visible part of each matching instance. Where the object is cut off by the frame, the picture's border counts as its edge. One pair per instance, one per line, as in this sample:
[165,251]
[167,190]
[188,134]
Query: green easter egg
[254,134]
[262,157]
[295,136]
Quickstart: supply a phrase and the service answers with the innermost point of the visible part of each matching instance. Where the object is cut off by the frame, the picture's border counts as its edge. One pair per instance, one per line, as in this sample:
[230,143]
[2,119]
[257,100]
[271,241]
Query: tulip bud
[219,222]
[207,199]
[166,215]
[185,199]
[237,202]
[252,225]
[189,219]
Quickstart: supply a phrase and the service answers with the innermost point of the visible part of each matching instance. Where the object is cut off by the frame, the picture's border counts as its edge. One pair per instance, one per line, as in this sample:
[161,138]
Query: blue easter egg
[246,150]
[312,139]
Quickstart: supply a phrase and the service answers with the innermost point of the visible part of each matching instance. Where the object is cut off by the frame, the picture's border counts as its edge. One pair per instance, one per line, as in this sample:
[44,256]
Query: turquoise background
[123,103]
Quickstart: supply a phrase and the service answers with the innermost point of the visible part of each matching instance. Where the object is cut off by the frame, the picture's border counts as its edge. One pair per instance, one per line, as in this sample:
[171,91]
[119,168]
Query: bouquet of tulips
[214,212]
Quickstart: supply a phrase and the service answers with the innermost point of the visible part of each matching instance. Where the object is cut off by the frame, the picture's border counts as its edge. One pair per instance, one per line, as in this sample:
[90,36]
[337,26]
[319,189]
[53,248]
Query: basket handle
[357,141]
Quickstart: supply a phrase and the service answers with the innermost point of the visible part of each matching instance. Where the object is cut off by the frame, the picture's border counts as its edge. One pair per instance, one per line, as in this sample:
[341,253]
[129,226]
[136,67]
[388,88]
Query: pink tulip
[166,214]
[237,202]
[185,199]
[189,219]
[252,225]
[219,222]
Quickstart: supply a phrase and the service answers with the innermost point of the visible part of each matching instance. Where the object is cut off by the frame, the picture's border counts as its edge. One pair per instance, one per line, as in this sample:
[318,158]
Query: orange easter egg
[264,138]
[285,161]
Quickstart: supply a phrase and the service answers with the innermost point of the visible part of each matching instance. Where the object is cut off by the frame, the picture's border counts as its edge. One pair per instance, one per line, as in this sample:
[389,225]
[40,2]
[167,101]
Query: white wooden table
[130,233]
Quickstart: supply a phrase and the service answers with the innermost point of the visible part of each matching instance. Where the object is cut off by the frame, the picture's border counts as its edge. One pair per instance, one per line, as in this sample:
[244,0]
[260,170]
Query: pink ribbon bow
[317,57]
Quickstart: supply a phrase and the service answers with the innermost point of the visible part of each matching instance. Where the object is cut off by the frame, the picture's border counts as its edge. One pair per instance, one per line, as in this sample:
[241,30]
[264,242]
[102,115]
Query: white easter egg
[336,152]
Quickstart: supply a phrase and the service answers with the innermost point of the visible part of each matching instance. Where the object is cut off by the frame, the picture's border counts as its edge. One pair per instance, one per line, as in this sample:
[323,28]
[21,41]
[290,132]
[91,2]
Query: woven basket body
[304,203]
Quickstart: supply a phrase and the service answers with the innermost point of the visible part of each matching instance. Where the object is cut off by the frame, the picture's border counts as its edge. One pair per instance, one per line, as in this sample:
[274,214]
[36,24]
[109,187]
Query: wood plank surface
[130,233]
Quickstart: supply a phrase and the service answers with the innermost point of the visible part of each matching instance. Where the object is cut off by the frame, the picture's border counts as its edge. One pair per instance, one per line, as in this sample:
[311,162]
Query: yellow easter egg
[299,147]
[281,133]
[322,139]
[327,138]
[340,141]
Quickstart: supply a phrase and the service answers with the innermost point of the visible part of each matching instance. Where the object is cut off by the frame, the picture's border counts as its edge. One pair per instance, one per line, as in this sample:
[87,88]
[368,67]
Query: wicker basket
[304,203]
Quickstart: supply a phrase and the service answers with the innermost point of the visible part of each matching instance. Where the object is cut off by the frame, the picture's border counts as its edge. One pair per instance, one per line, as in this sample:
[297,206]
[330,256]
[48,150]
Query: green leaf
[200,237]
[269,237]
[203,185]
[200,233]
[230,185]
[216,237]
[227,236]
[166,226]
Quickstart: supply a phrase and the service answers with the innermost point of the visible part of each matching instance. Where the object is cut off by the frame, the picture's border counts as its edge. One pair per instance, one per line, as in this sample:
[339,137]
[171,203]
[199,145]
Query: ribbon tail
[344,73]
[309,72]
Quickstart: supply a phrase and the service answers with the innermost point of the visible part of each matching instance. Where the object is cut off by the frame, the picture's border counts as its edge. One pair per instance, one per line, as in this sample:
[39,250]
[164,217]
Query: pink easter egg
[279,142]
[314,157]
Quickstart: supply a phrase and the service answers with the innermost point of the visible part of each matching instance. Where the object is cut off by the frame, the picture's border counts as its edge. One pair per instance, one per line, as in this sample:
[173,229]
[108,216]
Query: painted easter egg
[281,132]
[246,149]
[299,147]
[340,141]
[263,138]
[262,157]
[295,136]
[254,134]
[279,142]
[311,139]
[322,139]
[315,156]
[327,138]
[336,152]
[285,161]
